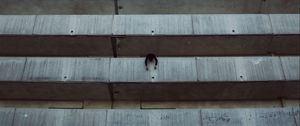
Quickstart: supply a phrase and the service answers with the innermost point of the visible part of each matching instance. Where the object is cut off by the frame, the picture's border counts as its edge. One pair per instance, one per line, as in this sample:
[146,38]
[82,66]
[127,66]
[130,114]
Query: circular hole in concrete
[65,77]
[152,31]
[233,30]
[241,76]
[153,77]
[72,31]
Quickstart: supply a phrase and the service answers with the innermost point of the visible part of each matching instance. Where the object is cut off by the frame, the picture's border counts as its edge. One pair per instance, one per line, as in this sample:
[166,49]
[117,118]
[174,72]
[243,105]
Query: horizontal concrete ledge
[137,35]
[206,7]
[147,7]
[190,78]
[150,25]
[160,117]
[169,69]
[20,7]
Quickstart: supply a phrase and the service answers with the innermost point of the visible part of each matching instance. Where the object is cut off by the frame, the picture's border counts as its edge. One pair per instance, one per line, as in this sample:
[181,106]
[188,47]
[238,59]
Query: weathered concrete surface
[248,117]
[153,118]
[54,91]
[97,104]
[291,67]
[11,69]
[207,6]
[55,46]
[6,116]
[59,117]
[57,7]
[16,24]
[218,104]
[297,115]
[160,117]
[259,68]
[54,78]
[151,25]
[236,24]
[244,35]
[213,84]
[61,43]
[226,117]
[190,78]
[216,69]
[285,45]
[164,35]
[204,91]
[283,26]
[285,23]
[148,7]
[73,25]
[46,104]
[168,70]
[67,69]
[280,6]
[239,68]
[195,46]
[275,117]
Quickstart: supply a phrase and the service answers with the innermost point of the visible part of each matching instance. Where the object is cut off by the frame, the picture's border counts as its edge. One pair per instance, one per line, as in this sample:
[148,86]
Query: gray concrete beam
[160,117]
[218,77]
[164,35]
[197,45]
[39,90]
[52,35]
[6,116]
[20,7]
[17,24]
[211,35]
[152,25]
[280,6]
[202,78]
[73,25]
[237,24]
[12,69]
[148,7]
[169,70]
[59,117]
[282,32]
[67,69]
[55,46]
[207,6]
[239,68]
[245,117]
[291,67]
[285,23]
[183,117]
[54,78]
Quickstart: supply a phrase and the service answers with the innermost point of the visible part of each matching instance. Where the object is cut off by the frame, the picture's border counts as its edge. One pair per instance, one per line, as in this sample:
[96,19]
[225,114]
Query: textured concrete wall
[137,35]
[57,7]
[195,117]
[190,78]
[147,7]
